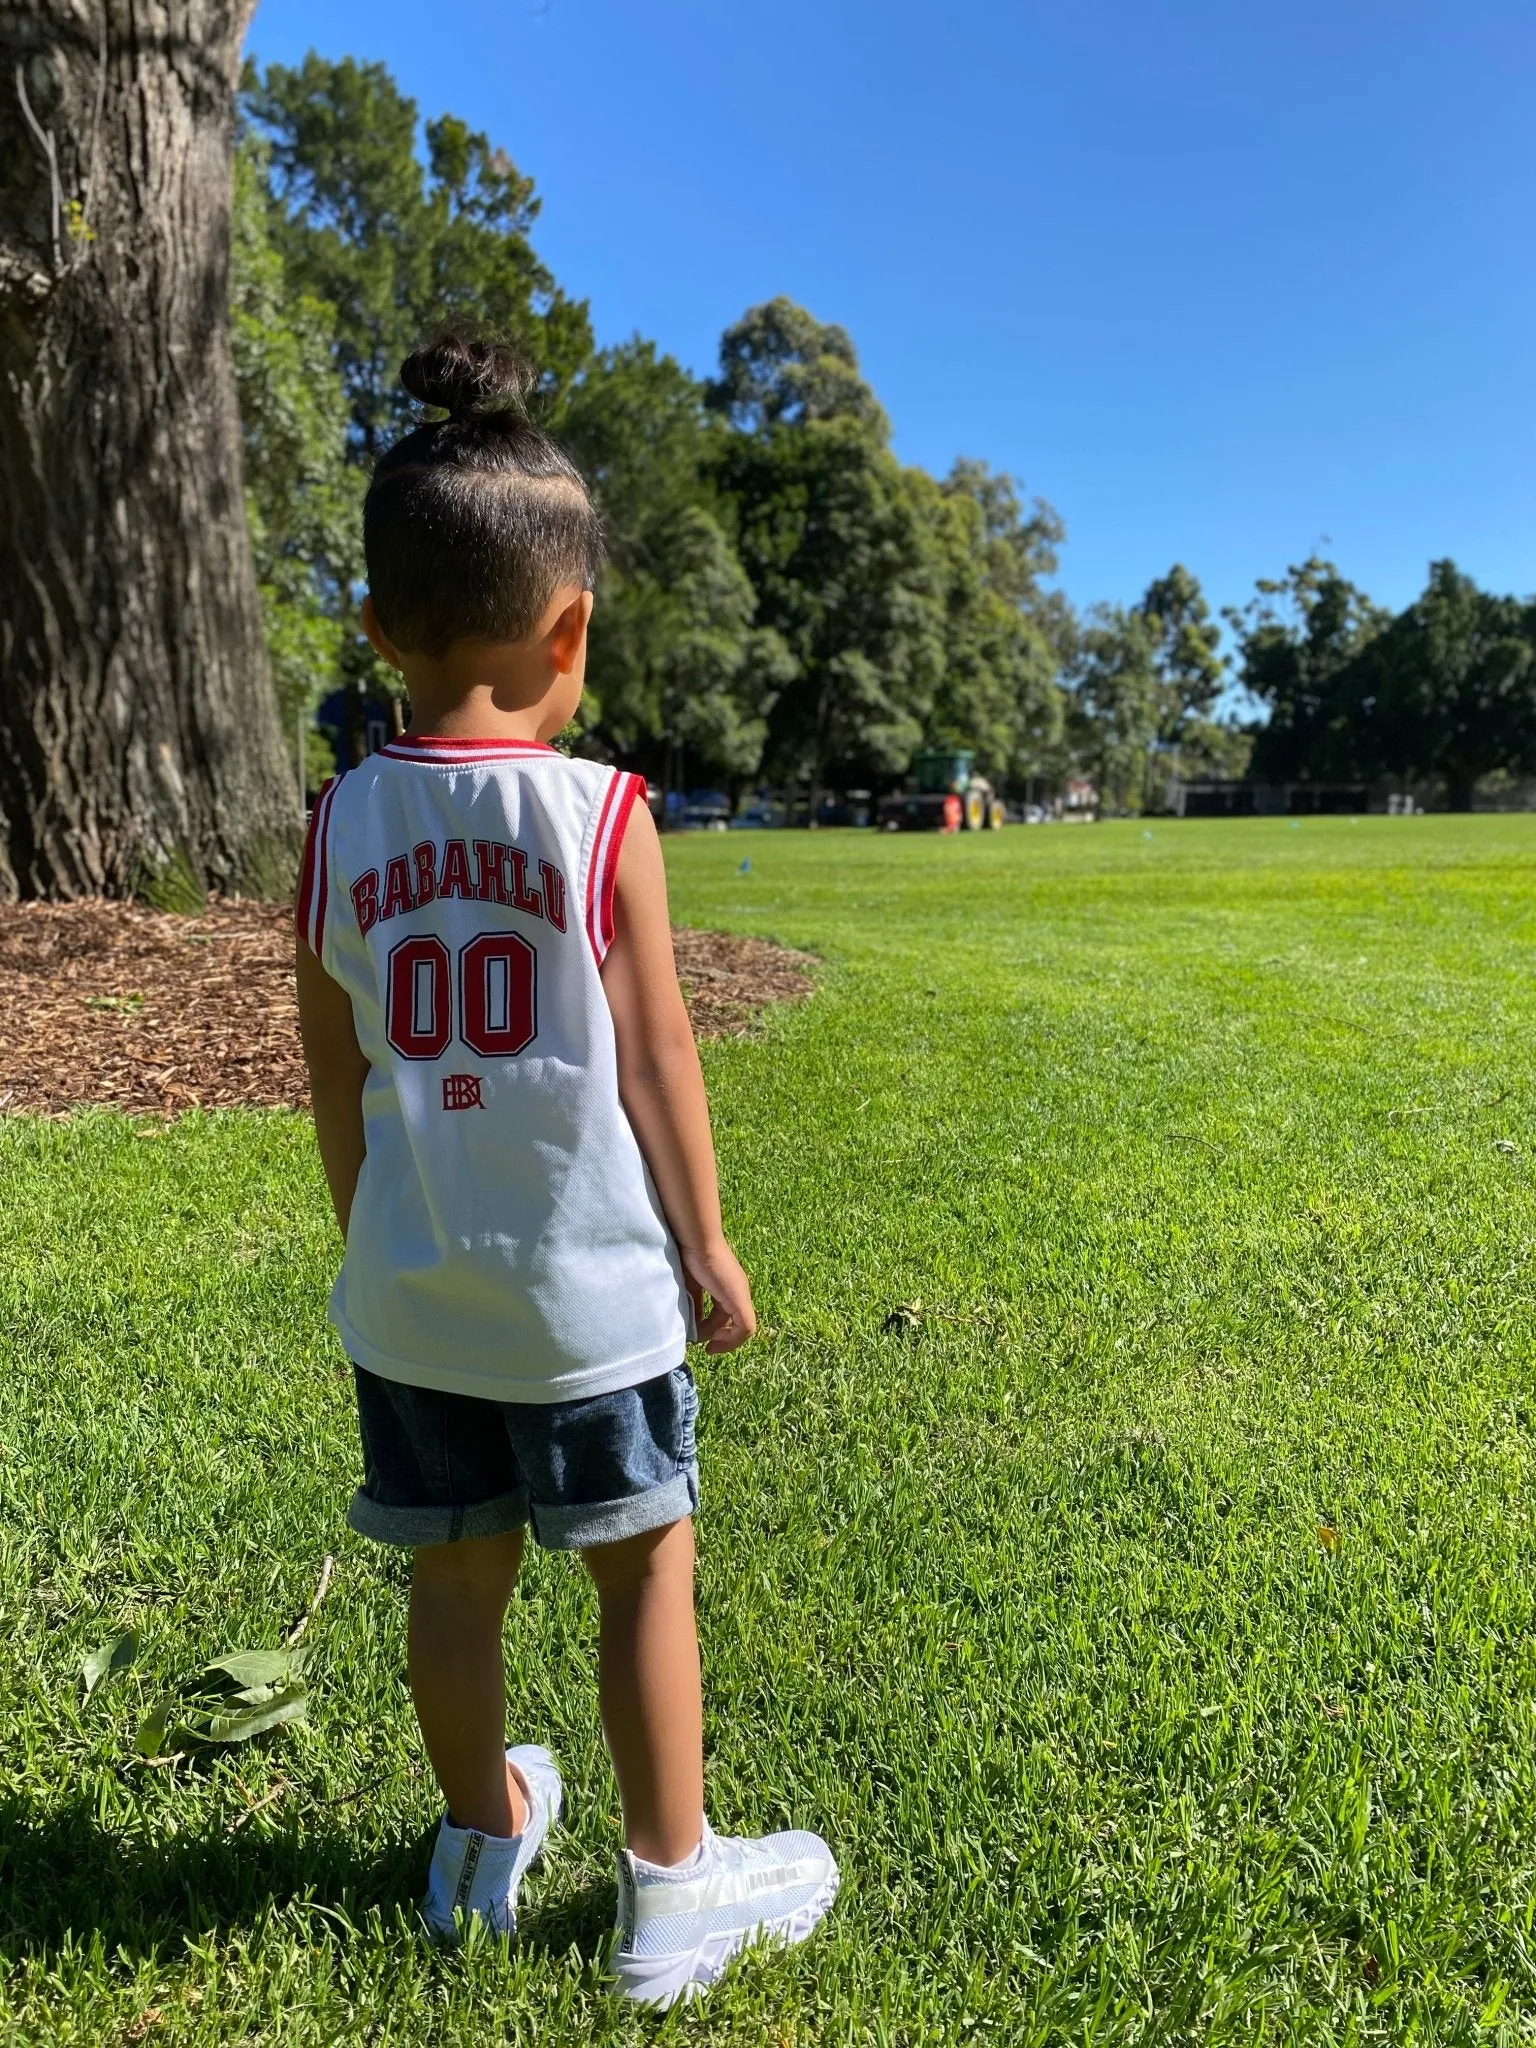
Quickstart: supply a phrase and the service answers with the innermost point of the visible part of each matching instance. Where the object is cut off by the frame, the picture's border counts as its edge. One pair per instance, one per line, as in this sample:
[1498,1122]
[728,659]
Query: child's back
[505,1238]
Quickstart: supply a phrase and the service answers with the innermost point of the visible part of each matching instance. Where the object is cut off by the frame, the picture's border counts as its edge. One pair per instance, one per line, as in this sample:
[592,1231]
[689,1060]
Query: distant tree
[400,238]
[399,227]
[1294,641]
[681,679]
[1004,634]
[1447,691]
[139,740]
[720,675]
[840,544]
[847,572]
[781,367]
[303,498]
[1191,673]
[1116,702]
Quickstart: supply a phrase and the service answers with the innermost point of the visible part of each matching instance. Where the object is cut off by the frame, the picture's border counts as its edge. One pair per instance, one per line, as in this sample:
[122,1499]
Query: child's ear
[378,639]
[568,634]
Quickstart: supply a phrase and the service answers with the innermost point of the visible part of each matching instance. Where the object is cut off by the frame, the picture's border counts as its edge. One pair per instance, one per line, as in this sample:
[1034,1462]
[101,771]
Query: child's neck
[483,693]
[476,714]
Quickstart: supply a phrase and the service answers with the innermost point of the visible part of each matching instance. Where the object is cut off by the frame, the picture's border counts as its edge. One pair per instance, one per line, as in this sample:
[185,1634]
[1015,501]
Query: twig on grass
[909,1316]
[321,1590]
[346,1798]
[253,1807]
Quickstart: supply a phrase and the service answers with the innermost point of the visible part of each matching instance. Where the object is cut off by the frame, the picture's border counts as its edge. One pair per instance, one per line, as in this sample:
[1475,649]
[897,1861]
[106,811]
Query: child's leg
[459,1595]
[649,1689]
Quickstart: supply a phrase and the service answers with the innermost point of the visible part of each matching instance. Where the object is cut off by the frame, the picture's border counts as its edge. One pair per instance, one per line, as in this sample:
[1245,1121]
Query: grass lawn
[1148,1621]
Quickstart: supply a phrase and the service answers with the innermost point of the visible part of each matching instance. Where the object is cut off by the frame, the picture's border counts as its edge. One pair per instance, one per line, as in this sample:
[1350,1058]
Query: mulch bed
[132,1009]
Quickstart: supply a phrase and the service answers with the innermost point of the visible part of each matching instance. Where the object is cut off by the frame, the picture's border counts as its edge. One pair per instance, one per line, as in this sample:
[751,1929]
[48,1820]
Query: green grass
[1187,1138]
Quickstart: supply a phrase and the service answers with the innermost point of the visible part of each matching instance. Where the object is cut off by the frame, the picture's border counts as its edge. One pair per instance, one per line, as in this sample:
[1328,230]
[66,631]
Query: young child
[512,1121]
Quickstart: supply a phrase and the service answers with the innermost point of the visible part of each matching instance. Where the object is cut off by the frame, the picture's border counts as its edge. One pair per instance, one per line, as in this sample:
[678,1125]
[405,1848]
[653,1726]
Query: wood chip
[142,1011]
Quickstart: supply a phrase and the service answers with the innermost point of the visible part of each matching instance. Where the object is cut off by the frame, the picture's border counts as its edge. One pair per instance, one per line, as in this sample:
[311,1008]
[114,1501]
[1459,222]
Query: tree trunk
[664,822]
[138,728]
[821,749]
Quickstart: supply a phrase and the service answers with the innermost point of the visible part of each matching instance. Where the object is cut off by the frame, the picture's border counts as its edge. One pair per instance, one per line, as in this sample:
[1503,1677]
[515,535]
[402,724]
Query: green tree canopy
[910,610]
[681,678]
[401,242]
[847,573]
[1117,702]
[833,535]
[1447,691]
[1005,635]
[780,366]
[1191,671]
[1294,640]
[1185,640]
[303,498]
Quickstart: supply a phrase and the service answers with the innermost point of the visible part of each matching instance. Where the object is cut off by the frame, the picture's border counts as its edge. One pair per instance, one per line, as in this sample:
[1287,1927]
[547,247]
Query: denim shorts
[437,1467]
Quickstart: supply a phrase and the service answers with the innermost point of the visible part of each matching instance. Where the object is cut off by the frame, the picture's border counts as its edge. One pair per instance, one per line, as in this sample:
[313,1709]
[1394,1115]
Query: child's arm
[662,1087]
[337,1071]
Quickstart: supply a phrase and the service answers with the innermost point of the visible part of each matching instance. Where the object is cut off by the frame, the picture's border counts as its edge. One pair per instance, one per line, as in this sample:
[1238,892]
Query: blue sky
[1219,280]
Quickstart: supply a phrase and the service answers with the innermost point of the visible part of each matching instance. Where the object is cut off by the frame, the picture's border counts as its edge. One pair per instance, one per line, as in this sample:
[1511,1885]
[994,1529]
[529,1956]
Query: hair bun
[467,375]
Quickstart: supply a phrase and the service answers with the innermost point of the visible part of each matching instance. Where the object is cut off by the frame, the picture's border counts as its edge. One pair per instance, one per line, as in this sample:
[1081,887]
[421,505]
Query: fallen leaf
[116,1654]
[230,1700]
[1328,1536]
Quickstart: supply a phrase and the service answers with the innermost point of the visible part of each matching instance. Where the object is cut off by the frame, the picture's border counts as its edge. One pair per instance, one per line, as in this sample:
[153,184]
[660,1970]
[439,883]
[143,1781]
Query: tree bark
[138,728]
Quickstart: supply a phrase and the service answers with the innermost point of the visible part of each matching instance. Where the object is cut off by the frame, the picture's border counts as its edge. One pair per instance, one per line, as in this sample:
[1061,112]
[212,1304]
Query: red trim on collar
[430,742]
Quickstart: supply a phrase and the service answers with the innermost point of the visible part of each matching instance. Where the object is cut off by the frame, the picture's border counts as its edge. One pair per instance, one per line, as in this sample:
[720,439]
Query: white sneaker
[477,1875]
[679,1927]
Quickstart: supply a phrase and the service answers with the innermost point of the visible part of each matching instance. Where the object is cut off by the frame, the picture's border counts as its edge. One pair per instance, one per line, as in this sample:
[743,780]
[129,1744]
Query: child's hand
[732,1318]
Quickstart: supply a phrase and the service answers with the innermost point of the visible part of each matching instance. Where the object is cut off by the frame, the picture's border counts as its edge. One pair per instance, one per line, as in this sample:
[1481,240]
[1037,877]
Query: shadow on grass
[65,1881]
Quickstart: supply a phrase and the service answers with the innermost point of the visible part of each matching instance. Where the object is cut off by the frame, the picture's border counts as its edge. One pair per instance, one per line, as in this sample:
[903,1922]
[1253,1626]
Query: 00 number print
[496,978]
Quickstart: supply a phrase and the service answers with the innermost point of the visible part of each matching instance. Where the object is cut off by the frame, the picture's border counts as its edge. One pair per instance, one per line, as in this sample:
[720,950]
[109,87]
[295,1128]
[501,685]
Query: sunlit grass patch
[1120,1544]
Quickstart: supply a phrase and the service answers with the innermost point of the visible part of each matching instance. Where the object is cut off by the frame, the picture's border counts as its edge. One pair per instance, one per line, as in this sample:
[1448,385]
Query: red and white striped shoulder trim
[314,876]
[451,752]
[620,798]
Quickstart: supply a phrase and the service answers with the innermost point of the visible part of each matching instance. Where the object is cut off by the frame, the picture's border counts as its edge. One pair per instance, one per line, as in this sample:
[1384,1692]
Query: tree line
[784,600]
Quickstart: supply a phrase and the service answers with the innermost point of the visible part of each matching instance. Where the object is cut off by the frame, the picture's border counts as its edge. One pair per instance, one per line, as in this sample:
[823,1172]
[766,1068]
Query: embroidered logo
[462,1091]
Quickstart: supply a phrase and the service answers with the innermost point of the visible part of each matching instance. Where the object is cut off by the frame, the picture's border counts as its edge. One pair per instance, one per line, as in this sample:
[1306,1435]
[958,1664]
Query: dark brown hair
[472,523]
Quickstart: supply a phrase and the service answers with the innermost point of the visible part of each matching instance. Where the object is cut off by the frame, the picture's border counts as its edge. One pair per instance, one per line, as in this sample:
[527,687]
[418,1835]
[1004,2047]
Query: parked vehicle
[943,793]
[705,810]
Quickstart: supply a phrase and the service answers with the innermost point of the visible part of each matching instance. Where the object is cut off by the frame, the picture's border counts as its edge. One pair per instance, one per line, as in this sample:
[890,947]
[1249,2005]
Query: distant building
[1220,799]
[1213,798]
[358,723]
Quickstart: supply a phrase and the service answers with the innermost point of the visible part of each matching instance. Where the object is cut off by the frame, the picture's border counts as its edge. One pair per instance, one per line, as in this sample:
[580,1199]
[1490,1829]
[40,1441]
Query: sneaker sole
[667,1980]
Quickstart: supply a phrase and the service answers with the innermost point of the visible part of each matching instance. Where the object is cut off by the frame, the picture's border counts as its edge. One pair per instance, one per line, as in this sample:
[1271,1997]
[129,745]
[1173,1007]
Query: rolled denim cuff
[417,1528]
[610,1521]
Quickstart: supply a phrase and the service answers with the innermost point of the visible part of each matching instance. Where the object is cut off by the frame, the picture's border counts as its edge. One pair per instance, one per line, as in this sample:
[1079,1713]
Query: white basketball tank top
[506,1240]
